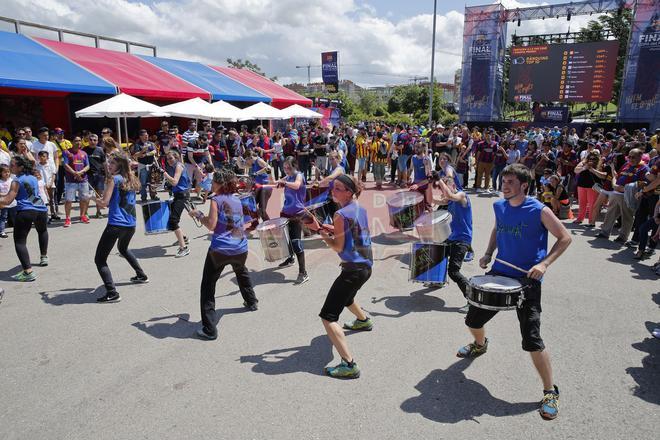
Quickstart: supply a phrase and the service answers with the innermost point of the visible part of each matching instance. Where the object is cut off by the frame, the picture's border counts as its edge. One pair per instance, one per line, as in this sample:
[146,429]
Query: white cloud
[277,34]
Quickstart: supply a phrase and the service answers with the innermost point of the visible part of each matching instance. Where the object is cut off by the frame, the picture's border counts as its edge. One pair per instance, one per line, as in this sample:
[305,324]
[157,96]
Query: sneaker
[302,278]
[97,215]
[357,325]
[109,298]
[186,241]
[251,307]
[472,350]
[631,243]
[286,263]
[464,309]
[656,333]
[469,256]
[3,234]
[550,404]
[203,335]
[590,225]
[84,219]
[55,217]
[343,370]
[23,276]
[67,222]
[182,252]
[620,240]
[43,261]
[140,279]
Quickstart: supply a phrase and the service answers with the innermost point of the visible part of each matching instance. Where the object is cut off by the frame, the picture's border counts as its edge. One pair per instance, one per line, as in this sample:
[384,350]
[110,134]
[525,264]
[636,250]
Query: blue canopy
[218,85]
[27,64]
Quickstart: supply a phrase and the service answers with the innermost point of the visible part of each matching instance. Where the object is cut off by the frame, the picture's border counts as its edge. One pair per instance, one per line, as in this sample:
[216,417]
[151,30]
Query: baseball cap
[58,130]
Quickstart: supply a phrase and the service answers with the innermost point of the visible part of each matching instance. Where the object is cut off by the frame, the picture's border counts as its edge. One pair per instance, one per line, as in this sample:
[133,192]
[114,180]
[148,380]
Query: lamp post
[435,7]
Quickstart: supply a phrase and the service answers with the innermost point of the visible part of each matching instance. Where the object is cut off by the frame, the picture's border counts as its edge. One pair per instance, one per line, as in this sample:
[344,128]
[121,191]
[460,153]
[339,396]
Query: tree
[369,102]
[247,64]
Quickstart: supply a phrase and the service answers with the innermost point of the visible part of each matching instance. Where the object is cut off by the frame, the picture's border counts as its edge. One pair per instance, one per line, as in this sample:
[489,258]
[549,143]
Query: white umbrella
[121,106]
[224,111]
[298,111]
[195,108]
[260,111]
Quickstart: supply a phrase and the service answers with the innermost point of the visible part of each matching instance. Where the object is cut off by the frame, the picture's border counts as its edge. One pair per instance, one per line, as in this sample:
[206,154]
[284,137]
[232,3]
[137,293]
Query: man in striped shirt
[380,156]
[363,147]
[190,134]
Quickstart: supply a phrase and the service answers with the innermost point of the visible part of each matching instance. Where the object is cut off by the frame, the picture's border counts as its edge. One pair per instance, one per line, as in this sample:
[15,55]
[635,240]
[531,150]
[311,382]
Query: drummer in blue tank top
[119,197]
[327,182]
[259,171]
[175,173]
[520,236]
[228,247]
[349,237]
[421,164]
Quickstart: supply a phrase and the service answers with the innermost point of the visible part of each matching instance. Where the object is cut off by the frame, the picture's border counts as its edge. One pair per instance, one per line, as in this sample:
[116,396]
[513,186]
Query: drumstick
[512,266]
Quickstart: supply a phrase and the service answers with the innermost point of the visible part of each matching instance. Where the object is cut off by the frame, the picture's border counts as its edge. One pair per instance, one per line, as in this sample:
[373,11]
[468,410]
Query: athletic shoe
[251,307]
[3,234]
[55,217]
[201,334]
[357,325]
[631,243]
[286,263]
[620,240]
[67,222]
[97,215]
[343,370]
[43,261]
[84,219]
[302,278]
[23,276]
[472,350]
[140,279]
[182,252]
[590,225]
[464,309]
[109,298]
[655,332]
[550,404]
[469,256]
[186,241]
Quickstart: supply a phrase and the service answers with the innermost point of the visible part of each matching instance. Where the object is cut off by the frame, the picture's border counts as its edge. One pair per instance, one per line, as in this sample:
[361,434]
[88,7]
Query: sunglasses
[105,132]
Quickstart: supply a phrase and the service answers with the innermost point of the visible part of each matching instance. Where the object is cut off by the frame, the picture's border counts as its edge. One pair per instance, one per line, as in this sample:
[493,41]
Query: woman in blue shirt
[228,246]
[30,209]
[119,196]
[349,237]
[259,170]
[175,173]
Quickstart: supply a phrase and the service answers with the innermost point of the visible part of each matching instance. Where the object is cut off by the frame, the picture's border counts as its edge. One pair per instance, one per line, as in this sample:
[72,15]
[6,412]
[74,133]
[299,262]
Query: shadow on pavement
[150,252]
[81,295]
[647,376]
[303,359]
[5,275]
[417,301]
[182,327]
[640,271]
[448,396]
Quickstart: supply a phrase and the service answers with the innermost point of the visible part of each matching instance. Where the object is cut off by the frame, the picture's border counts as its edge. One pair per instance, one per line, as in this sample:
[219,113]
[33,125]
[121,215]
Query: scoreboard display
[577,72]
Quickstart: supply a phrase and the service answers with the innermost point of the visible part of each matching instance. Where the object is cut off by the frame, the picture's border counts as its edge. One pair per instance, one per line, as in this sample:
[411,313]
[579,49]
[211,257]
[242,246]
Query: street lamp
[435,8]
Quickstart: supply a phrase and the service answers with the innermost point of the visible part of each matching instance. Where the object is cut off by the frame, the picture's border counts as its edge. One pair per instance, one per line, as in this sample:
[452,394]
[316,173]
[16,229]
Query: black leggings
[343,291]
[295,235]
[110,235]
[22,225]
[262,195]
[215,263]
[457,251]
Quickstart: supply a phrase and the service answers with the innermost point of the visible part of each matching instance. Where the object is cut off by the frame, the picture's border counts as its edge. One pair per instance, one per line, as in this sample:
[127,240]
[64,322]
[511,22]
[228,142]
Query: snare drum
[428,263]
[434,227]
[274,237]
[249,204]
[404,208]
[494,292]
[156,215]
[320,211]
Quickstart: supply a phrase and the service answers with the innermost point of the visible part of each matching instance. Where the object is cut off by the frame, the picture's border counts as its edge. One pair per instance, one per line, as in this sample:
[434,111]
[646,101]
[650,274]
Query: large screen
[577,72]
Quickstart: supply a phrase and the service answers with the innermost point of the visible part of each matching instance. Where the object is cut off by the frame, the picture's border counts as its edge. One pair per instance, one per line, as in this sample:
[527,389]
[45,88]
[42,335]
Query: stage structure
[484,47]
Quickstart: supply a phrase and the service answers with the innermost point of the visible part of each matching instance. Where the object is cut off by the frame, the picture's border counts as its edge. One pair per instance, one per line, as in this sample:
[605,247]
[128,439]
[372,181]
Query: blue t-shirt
[261,179]
[228,236]
[419,169]
[121,209]
[461,221]
[27,197]
[184,182]
[521,145]
[522,239]
[357,240]
[294,200]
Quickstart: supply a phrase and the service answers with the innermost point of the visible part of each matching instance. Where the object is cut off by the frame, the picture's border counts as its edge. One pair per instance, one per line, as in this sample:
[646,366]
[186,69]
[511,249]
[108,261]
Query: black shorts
[529,316]
[343,291]
[177,206]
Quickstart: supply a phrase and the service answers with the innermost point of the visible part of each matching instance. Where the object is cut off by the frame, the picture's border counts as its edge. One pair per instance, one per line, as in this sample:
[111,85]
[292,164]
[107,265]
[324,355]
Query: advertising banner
[550,114]
[330,71]
[640,92]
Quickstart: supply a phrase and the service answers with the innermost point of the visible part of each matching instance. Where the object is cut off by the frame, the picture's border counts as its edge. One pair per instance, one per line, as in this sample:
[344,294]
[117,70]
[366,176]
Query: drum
[249,204]
[316,194]
[274,237]
[320,211]
[434,227]
[494,292]
[404,208]
[429,263]
[244,185]
[156,215]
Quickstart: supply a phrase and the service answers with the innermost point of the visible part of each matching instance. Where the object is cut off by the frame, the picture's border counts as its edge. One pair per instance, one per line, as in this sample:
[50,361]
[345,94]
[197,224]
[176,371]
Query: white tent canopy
[121,106]
[260,111]
[195,108]
[224,111]
[298,111]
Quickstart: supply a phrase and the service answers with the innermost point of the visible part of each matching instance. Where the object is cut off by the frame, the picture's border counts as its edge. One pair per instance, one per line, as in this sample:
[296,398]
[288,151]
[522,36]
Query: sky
[380,42]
